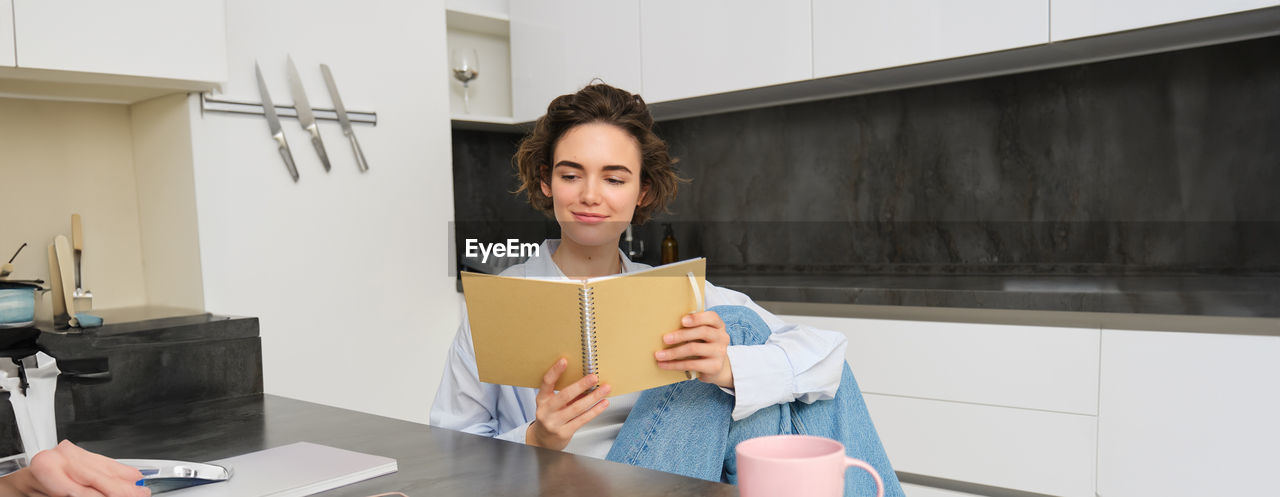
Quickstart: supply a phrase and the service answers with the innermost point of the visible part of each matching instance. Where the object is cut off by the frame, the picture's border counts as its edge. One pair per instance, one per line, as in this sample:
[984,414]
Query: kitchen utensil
[273,121]
[342,117]
[17,304]
[66,275]
[163,475]
[60,317]
[7,268]
[77,244]
[305,116]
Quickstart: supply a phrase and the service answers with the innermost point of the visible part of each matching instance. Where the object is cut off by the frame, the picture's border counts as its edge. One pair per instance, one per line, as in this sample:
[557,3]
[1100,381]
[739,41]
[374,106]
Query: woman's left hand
[703,348]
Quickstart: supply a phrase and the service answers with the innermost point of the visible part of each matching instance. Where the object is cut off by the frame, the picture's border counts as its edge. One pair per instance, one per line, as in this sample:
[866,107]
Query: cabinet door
[557,47]
[6,33]
[1188,414]
[1024,449]
[1080,18]
[1032,367]
[700,48]
[151,38]
[852,36]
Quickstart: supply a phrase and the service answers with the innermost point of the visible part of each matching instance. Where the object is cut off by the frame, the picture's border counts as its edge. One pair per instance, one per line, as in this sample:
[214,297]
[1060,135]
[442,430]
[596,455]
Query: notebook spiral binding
[590,354]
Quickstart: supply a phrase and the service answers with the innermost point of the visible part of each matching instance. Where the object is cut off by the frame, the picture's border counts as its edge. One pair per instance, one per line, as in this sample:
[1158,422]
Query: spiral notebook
[610,326]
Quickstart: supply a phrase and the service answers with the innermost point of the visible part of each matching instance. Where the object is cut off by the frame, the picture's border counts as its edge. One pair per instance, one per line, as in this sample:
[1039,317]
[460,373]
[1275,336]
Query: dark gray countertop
[432,461]
[1205,295]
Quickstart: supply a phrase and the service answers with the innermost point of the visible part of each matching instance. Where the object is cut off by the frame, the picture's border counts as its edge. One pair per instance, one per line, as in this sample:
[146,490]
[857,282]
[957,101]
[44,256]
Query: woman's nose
[590,193]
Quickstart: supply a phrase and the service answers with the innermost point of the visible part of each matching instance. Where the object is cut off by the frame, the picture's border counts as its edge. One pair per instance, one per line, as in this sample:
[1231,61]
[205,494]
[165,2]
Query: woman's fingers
[100,473]
[704,318]
[700,366]
[690,350]
[560,414]
[589,415]
[552,375]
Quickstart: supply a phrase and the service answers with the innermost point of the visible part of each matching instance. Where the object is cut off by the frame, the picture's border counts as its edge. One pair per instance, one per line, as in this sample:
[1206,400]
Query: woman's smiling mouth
[589,217]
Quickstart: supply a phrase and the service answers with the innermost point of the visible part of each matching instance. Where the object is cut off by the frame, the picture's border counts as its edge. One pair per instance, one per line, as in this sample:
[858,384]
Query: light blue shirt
[796,363]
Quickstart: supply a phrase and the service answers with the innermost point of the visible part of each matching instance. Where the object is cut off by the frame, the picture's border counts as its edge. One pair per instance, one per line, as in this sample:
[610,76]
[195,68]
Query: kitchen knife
[77,245]
[305,116]
[342,117]
[277,133]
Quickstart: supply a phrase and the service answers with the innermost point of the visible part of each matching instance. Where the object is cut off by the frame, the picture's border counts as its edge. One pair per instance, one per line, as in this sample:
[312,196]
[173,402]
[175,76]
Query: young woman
[595,165]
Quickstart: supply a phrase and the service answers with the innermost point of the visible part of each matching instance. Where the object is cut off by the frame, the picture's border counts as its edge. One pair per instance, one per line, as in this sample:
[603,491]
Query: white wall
[166,204]
[346,271]
[60,158]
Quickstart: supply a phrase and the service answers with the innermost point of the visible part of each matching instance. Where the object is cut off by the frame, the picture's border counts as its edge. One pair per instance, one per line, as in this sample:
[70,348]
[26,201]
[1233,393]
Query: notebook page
[520,326]
[632,313]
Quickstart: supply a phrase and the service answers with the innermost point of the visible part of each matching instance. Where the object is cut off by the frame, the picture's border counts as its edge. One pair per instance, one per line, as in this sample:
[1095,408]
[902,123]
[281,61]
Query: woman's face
[595,183]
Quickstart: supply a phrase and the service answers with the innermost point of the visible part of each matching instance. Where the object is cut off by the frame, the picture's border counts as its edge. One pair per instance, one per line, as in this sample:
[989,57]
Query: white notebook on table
[293,470]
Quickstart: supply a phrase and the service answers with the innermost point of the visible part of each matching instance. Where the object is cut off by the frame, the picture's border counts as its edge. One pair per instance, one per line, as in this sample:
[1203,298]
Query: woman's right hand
[560,414]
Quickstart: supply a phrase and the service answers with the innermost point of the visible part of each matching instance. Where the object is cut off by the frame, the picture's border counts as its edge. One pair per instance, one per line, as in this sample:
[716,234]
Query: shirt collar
[543,266]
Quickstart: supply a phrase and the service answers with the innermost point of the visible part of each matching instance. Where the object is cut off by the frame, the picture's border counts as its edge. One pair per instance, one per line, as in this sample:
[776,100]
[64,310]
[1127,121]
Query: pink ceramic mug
[795,465]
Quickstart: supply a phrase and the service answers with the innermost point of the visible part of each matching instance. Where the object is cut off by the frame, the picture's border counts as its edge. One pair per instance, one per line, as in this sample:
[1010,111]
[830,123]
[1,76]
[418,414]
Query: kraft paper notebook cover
[293,470]
[610,326]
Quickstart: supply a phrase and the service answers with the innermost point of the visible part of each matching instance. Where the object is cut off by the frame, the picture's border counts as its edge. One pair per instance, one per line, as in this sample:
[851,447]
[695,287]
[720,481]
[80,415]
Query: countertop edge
[1067,319]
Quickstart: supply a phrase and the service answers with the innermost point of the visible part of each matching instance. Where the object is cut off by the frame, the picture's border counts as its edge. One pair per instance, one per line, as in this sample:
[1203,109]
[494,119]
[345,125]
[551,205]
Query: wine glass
[466,67]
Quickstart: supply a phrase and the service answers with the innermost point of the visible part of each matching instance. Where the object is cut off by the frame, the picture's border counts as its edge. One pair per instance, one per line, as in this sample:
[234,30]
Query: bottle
[670,250]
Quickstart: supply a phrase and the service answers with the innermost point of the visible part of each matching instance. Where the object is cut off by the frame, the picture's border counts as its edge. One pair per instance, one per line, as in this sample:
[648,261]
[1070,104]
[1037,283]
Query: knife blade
[273,121]
[342,117]
[305,116]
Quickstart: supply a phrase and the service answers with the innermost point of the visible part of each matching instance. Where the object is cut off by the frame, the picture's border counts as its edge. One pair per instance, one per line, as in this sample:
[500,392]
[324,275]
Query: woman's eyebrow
[572,164]
[575,165]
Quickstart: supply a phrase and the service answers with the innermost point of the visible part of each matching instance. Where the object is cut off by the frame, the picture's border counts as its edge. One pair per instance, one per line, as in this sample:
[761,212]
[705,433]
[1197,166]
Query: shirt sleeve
[466,404]
[796,362]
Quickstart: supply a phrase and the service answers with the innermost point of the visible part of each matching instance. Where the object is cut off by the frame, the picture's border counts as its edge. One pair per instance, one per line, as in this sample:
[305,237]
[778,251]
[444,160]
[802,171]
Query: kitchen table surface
[432,461]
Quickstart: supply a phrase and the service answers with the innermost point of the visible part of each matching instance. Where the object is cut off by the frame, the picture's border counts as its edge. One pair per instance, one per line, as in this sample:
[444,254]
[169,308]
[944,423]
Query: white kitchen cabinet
[863,35]
[1023,449]
[1081,18]
[691,49]
[923,491]
[1032,367]
[6,33]
[557,47]
[148,38]
[1188,414]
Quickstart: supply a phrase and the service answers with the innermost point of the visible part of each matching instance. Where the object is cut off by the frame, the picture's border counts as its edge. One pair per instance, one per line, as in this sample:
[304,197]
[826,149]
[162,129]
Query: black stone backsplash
[1153,164]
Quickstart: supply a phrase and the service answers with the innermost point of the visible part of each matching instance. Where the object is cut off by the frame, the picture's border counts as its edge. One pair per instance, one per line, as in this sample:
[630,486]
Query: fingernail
[563,362]
[660,355]
[686,321]
[668,338]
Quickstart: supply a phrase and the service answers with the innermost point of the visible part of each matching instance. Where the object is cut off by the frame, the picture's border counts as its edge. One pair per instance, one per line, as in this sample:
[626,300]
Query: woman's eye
[567,177]
[616,181]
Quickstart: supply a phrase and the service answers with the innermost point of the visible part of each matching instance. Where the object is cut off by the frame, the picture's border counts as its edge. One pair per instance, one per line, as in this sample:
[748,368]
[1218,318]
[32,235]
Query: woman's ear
[644,196]
[545,182]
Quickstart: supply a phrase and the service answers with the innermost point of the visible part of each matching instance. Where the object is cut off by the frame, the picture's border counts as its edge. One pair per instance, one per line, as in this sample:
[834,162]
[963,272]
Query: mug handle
[851,462]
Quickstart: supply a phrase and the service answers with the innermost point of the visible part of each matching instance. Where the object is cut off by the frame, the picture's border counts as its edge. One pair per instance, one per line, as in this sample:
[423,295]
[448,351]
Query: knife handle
[77,235]
[283,147]
[319,146]
[355,145]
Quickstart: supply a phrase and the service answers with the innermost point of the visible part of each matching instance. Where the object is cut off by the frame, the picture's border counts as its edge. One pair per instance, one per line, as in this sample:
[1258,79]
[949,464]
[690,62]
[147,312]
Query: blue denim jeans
[686,428]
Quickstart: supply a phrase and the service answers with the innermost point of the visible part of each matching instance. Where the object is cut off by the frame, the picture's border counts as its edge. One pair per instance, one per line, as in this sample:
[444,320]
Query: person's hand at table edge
[70,471]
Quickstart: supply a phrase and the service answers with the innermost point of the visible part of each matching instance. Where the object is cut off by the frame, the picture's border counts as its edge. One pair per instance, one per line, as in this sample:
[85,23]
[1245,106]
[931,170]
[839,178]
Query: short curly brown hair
[597,103]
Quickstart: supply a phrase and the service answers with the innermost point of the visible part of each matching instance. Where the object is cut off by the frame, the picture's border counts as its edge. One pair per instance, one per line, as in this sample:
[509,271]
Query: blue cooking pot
[17,304]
